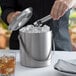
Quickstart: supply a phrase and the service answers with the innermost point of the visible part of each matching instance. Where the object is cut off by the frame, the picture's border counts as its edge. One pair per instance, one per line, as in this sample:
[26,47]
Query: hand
[60,7]
[11,16]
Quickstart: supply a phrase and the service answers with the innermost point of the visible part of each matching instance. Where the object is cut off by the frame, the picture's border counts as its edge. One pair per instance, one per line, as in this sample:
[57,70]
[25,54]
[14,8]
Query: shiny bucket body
[35,48]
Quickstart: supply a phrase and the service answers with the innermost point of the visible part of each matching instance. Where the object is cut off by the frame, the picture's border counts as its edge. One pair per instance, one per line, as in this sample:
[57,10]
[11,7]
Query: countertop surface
[45,71]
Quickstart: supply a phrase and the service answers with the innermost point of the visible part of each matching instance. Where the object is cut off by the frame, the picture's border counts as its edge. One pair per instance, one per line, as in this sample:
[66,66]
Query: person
[58,9]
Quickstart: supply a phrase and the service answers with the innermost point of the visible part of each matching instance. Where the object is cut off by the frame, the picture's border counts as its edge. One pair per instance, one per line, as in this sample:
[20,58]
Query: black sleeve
[7,7]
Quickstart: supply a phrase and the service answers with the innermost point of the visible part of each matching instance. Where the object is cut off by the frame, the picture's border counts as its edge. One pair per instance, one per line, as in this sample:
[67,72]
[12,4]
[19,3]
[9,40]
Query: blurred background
[5,33]
[72,28]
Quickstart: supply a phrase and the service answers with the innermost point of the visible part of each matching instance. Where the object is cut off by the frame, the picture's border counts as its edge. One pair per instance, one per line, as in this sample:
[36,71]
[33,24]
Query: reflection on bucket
[35,47]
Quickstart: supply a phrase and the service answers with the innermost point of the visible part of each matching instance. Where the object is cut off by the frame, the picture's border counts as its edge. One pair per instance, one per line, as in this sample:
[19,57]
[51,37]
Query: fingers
[55,10]
[62,9]
[12,16]
[15,15]
[59,9]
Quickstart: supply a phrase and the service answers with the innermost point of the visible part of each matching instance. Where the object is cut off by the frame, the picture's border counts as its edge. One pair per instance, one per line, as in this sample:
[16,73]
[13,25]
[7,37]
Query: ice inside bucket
[32,29]
[35,45]
[35,42]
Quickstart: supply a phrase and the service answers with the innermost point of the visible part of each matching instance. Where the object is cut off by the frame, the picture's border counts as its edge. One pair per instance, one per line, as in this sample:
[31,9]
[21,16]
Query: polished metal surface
[21,19]
[42,20]
[35,48]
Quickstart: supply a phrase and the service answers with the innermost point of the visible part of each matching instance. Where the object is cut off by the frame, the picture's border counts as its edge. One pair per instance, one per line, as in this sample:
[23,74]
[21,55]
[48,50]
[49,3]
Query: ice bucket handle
[28,54]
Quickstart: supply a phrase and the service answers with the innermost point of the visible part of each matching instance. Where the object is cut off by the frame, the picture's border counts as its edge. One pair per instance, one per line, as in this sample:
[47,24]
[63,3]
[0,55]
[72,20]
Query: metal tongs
[39,22]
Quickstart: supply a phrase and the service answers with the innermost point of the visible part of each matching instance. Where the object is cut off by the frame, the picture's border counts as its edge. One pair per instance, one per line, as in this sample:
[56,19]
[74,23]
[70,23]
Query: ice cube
[34,29]
[45,28]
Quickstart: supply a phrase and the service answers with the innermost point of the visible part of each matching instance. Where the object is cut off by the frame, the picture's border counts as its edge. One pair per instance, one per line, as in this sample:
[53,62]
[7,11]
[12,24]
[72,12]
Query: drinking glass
[7,63]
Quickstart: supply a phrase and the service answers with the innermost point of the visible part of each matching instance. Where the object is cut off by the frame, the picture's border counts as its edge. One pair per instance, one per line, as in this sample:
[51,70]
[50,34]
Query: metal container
[35,48]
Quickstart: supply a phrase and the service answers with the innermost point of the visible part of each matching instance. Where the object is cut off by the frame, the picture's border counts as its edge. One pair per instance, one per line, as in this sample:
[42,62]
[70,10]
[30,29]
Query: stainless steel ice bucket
[35,48]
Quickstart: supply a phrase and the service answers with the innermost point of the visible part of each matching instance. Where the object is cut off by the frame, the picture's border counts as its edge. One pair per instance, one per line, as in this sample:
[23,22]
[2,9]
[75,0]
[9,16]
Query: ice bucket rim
[21,31]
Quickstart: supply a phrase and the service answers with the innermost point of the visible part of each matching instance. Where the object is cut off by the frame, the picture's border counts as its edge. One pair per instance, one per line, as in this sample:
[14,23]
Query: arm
[7,6]
[60,7]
